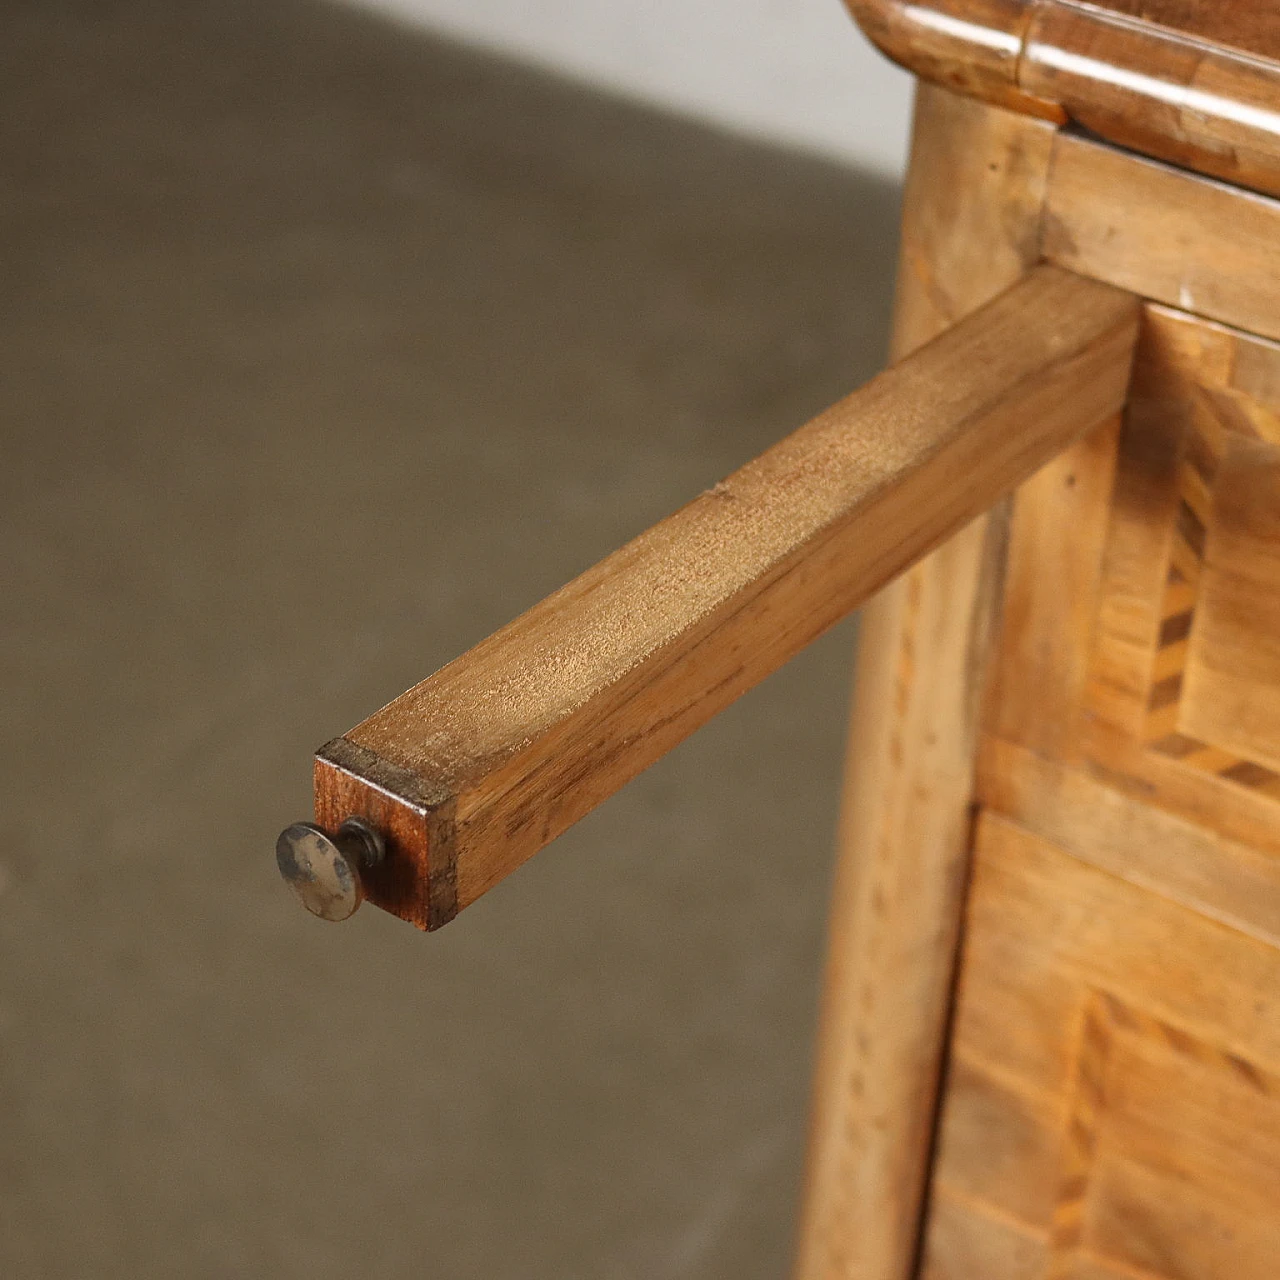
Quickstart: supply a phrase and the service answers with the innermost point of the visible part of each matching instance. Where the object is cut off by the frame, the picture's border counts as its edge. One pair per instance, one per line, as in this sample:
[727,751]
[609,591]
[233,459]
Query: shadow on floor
[325,350]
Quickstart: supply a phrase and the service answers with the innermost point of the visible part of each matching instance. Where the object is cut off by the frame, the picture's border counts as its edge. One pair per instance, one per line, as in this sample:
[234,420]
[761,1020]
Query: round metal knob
[325,872]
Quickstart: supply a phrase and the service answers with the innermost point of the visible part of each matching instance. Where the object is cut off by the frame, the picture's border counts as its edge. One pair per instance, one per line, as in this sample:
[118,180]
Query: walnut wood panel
[503,749]
[1194,83]
[1200,246]
[1113,1107]
[970,226]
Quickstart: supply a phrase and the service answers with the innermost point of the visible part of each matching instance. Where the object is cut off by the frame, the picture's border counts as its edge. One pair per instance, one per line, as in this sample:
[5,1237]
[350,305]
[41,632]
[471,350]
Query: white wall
[793,71]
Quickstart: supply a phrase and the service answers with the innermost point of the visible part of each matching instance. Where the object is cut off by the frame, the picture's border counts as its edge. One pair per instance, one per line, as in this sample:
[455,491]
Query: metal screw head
[325,873]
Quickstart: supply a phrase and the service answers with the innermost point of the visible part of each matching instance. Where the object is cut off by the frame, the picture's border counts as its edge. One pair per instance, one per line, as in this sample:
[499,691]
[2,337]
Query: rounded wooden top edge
[972,48]
[1183,96]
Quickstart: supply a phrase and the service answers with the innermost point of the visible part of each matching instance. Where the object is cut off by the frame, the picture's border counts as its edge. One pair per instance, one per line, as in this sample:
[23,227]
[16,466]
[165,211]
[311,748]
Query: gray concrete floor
[324,350]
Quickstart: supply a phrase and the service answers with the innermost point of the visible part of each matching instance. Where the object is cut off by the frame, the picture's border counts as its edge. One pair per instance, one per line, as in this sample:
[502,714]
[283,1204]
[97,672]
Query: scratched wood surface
[970,226]
[475,769]
[1113,1098]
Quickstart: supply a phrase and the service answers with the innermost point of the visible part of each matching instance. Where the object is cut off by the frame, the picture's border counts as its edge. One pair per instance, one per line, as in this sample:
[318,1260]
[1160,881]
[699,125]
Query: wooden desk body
[1065,769]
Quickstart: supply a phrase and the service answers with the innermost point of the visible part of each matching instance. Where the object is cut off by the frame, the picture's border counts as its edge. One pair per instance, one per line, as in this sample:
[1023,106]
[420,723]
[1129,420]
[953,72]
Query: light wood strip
[1213,759]
[1198,245]
[970,226]
[1050,598]
[1131,838]
[1170,660]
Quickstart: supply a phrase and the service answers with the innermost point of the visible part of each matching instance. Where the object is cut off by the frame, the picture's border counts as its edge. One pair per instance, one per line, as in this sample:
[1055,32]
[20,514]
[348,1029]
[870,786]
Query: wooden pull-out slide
[475,769]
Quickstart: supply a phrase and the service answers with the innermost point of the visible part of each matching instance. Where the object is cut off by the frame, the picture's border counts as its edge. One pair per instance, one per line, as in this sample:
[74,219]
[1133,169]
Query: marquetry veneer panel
[1185,667]
[1142,615]
[1113,1107]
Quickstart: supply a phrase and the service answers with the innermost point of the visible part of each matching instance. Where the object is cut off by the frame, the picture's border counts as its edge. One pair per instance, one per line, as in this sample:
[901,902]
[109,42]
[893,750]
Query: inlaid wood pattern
[1195,404]
[1218,422]
[1102,1115]
[1085,1119]
[1113,1111]
[1137,642]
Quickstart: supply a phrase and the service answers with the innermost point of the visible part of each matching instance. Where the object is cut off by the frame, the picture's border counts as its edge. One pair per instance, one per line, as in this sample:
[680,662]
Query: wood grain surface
[970,226]
[1113,1107]
[1143,843]
[504,748]
[1168,235]
[1230,693]
[1237,24]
